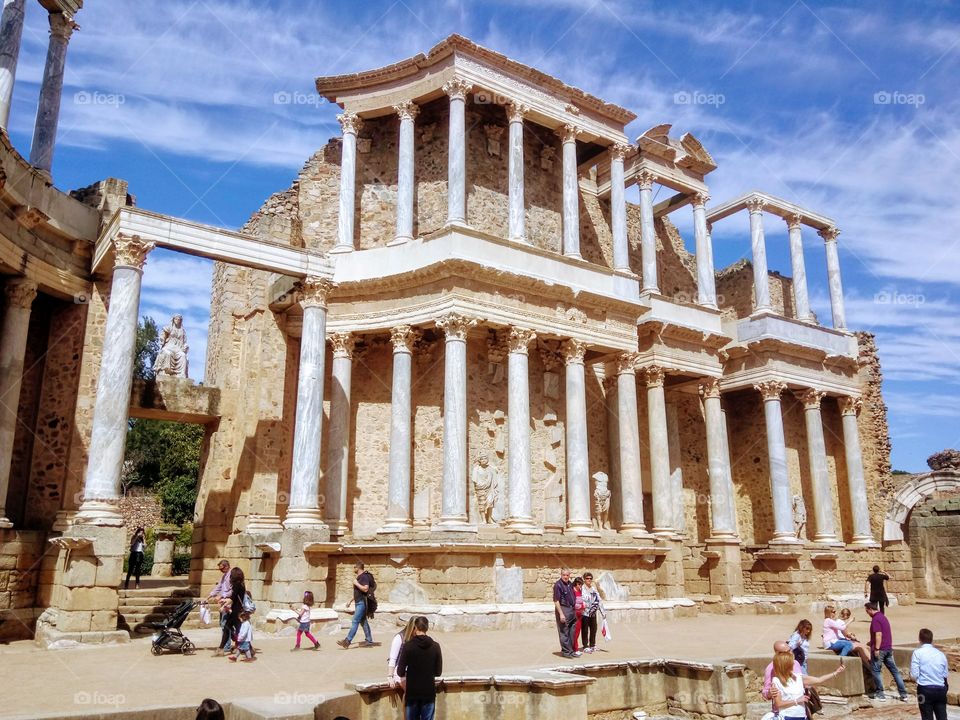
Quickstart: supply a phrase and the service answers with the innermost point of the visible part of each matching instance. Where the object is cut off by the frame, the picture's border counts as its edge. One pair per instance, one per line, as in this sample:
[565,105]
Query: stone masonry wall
[935,547]
[735,291]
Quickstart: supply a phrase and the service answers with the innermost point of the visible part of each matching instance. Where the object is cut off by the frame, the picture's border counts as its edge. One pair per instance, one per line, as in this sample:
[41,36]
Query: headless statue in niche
[601,502]
[172,358]
[484,480]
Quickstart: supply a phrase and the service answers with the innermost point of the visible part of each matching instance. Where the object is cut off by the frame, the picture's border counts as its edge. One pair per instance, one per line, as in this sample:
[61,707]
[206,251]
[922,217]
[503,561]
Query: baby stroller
[169,636]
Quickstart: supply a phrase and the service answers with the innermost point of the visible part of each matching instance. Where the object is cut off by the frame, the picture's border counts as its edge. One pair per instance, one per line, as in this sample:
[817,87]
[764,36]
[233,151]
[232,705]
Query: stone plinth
[293,560]
[166,536]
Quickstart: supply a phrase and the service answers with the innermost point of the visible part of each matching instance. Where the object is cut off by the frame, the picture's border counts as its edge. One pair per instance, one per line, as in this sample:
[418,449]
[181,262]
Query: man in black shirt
[877,592]
[564,613]
[420,663]
[361,586]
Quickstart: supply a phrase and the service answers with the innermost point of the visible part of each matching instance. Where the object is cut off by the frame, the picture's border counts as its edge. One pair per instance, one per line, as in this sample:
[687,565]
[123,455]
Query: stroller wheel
[188,648]
[156,649]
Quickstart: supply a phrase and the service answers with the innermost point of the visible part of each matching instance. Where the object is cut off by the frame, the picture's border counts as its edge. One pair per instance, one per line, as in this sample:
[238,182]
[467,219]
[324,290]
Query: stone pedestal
[725,568]
[670,570]
[166,536]
[300,564]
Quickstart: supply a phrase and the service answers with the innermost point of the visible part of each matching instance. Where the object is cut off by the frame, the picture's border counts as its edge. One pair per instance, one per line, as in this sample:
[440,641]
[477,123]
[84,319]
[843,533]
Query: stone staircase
[153,602]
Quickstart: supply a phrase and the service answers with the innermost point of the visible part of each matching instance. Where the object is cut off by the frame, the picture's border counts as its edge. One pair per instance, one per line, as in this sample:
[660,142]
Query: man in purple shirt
[566,617]
[881,652]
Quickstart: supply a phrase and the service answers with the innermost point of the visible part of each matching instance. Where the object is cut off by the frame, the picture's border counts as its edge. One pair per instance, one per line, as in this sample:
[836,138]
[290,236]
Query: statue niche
[601,502]
[485,486]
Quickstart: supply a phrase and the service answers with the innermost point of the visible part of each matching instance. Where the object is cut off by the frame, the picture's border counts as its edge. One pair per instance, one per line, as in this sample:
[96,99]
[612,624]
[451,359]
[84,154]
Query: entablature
[772,205]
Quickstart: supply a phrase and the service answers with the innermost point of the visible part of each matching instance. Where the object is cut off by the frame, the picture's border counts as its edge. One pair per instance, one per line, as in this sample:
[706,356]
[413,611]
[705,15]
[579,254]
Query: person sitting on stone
[172,358]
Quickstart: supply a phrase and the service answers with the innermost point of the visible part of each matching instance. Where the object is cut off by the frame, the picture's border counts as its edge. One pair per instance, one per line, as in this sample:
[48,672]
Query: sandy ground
[100,679]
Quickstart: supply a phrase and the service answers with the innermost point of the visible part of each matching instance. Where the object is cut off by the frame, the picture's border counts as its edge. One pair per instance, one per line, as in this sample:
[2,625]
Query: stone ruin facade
[457,275]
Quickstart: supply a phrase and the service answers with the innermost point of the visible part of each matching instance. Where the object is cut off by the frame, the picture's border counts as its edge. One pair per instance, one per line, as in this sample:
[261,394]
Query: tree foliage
[147,348]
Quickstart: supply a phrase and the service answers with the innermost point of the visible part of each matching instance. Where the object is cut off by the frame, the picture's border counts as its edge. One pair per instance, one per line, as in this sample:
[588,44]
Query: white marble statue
[172,358]
[484,480]
[601,502]
[799,514]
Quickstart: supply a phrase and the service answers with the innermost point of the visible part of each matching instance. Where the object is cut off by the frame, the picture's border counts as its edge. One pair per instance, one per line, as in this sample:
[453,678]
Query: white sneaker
[577,653]
[881,698]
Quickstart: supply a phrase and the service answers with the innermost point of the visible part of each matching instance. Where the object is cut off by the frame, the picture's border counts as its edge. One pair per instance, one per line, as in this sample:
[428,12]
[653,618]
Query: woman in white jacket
[396,645]
[592,604]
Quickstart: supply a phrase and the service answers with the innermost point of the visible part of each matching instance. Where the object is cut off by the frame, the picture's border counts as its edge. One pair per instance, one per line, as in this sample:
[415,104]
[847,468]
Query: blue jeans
[360,618]
[420,710]
[841,647]
[226,638]
[885,657]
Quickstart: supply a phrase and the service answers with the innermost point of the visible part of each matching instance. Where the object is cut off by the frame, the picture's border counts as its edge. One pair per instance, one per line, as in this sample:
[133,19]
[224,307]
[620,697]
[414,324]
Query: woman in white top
[788,691]
[396,645]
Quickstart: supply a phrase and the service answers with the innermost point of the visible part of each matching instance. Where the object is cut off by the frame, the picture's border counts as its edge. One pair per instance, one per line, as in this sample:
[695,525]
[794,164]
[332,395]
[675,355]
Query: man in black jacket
[420,663]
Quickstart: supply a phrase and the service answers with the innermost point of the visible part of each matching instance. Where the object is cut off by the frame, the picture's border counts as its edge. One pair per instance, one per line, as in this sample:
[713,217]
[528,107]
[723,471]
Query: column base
[761,311]
[581,530]
[453,525]
[99,512]
[827,540]
[522,526]
[863,541]
[400,240]
[304,517]
[785,539]
[650,290]
[723,539]
[5,523]
[263,524]
[337,249]
[638,532]
[456,223]
[338,527]
[64,520]
[522,240]
[665,533]
[573,256]
[394,526]
[708,305]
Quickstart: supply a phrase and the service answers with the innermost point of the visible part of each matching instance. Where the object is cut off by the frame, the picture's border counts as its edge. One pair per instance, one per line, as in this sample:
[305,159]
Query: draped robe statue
[172,358]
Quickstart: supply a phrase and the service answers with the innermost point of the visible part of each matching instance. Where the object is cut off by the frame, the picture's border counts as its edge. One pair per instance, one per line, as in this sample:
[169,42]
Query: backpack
[371,599]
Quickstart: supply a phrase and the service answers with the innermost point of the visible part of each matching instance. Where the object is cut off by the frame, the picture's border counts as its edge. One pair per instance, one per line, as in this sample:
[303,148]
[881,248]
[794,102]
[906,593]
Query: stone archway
[911,494]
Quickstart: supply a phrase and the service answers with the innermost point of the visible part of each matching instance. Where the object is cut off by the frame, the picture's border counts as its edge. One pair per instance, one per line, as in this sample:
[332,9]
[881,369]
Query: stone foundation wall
[935,548]
[140,509]
[735,291]
[20,555]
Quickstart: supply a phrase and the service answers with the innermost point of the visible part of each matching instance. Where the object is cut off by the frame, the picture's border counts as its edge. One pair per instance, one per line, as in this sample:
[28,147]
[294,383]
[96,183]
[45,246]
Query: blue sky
[848,108]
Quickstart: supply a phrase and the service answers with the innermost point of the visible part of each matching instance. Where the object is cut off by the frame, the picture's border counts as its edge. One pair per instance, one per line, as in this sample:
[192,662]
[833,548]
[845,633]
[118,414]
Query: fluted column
[618,208]
[519,499]
[825,528]
[20,294]
[338,440]
[11,30]
[304,509]
[648,236]
[453,514]
[722,508]
[706,280]
[856,484]
[101,489]
[350,123]
[777,453]
[405,181]
[801,300]
[829,236]
[51,90]
[571,192]
[758,247]
[578,466]
[631,487]
[515,113]
[399,486]
[659,453]
[457,90]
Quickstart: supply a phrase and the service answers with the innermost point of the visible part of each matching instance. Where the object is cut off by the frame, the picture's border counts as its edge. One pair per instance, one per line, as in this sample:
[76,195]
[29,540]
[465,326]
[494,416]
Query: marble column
[519,497]
[801,300]
[825,528]
[515,113]
[399,484]
[758,247]
[676,469]
[51,89]
[457,89]
[571,192]
[706,279]
[780,495]
[304,508]
[659,453]
[350,123]
[618,208]
[648,236]
[722,508]
[108,438]
[408,112]
[11,29]
[578,466]
[20,294]
[856,484]
[453,514]
[628,441]
[829,236]
[338,440]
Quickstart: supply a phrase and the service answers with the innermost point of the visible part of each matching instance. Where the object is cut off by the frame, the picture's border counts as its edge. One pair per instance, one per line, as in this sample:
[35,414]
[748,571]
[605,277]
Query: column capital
[342,344]
[618,151]
[568,133]
[810,398]
[700,199]
[645,179]
[457,88]
[62,26]
[654,375]
[850,405]
[20,293]
[407,110]
[519,340]
[770,389]
[403,337]
[573,351]
[131,250]
[627,363]
[793,221]
[829,234]
[710,387]
[350,122]
[516,111]
[315,291]
[455,325]
[755,205]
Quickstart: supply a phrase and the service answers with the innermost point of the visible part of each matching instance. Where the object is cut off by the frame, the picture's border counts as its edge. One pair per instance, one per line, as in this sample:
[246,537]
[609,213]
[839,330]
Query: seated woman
[858,647]
[832,633]
[789,691]
[799,643]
